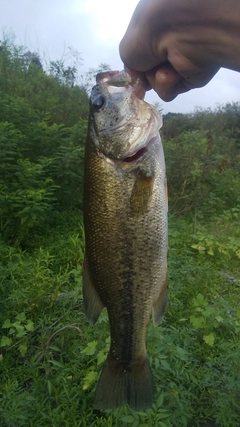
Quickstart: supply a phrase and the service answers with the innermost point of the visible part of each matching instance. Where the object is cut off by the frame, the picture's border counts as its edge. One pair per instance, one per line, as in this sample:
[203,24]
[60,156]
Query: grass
[50,357]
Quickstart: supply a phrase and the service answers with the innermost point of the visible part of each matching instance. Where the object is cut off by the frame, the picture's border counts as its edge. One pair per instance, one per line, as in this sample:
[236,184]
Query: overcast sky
[94,28]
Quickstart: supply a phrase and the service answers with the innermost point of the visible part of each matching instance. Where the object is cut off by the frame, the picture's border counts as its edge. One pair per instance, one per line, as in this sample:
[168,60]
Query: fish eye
[98,102]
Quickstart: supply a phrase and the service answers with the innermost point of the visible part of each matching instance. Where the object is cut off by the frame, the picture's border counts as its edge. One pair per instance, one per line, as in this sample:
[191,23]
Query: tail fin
[118,386]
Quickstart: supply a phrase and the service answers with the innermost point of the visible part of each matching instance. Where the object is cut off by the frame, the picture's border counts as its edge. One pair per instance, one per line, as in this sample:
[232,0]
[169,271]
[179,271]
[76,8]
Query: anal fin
[92,303]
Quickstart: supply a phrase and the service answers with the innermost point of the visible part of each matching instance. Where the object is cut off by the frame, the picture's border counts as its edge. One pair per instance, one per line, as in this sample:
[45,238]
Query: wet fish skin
[125,219]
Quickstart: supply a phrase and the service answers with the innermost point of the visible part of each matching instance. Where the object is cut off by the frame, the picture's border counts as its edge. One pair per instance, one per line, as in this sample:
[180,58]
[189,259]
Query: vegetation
[50,357]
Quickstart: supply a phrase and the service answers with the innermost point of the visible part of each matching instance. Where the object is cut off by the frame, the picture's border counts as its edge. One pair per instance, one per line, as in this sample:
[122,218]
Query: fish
[125,222]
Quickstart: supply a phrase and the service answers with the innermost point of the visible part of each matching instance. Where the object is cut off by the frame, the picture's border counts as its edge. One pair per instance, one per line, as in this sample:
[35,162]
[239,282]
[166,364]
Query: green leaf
[160,400]
[200,300]
[49,387]
[210,251]
[90,349]
[141,414]
[208,312]
[182,354]
[164,413]
[29,326]
[57,363]
[209,339]
[197,322]
[21,317]
[219,319]
[20,331]
[194,379]
[7,324]
[55,348]
[23,348]
[156,361]
[89,379]
[108,340]
[198,247]
[5,341]
[101,357]
[128,419]
[165,364]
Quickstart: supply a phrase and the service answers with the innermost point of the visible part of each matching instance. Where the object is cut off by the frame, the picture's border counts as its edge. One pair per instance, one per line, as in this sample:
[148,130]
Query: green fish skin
[125,220]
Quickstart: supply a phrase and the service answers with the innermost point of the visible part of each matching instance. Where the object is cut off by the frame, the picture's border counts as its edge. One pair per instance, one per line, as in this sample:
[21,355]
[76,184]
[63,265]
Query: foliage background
[50,358]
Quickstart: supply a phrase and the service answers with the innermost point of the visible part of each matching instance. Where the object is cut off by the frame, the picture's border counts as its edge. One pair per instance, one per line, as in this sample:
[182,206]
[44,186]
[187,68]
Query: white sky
[95,28]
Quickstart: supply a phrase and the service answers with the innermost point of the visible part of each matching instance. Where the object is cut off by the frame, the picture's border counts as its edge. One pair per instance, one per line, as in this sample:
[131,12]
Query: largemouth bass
[125,220]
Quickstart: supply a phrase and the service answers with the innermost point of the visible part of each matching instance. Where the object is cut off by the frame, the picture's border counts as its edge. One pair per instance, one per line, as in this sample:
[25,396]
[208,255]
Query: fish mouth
[124,78]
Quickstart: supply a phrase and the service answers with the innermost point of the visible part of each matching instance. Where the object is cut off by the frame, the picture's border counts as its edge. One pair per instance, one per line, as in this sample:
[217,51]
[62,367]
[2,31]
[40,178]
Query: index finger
[138,48]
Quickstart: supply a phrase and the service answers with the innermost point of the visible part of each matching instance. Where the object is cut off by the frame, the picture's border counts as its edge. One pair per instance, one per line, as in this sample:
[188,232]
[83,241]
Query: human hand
[181,44]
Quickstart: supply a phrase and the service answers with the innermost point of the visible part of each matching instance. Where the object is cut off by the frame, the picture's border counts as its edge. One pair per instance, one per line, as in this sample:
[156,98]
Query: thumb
[166,81]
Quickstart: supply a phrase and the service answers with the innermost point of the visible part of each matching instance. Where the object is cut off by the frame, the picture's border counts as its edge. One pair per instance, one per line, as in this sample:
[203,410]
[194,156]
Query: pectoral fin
[92,303]
[160,305]
[142,193]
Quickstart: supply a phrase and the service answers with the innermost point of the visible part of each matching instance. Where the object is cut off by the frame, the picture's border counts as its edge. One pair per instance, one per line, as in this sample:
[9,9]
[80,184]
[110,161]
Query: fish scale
[125,220]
